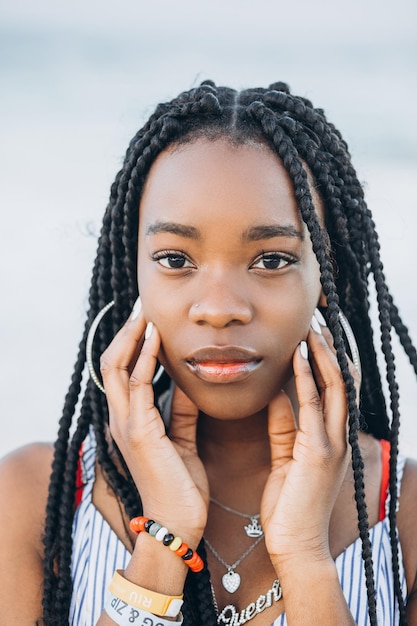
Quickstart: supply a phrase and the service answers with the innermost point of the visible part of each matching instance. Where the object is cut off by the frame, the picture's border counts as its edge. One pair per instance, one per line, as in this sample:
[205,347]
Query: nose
[221,303]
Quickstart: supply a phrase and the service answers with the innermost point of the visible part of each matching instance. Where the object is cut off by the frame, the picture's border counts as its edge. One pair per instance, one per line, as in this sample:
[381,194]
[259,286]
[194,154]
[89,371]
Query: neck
[238,445]
[234,448]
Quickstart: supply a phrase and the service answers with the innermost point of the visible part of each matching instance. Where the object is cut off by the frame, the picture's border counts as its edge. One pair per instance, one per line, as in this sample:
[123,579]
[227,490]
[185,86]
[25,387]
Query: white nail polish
[137,308]
[315,325]
[148,331]
[319,316]
[303,349]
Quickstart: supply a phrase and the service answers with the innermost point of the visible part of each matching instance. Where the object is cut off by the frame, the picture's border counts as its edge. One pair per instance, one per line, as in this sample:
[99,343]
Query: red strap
[385,454]
[79,485]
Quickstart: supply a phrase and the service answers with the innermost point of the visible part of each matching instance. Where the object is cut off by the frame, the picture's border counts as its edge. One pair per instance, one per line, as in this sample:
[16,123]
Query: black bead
[188,554]
[148,524]
[168,539]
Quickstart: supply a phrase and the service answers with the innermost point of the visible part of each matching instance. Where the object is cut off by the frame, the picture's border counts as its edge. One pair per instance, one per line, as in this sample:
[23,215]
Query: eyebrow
[268,231]
[176,229]
[254,233]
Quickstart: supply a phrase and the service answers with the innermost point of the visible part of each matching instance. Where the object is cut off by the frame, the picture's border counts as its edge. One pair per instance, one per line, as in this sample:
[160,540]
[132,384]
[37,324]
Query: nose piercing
[196,306]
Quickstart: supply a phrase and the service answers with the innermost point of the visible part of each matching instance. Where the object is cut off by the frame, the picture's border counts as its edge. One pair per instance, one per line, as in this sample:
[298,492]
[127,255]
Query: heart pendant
[231,581]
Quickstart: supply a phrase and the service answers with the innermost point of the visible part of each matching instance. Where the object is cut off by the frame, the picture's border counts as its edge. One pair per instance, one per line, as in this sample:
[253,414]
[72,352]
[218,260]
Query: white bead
[161,533]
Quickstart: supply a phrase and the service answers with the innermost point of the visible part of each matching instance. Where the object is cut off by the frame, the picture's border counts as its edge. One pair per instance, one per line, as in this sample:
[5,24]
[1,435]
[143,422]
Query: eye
[172,260]
[272,261]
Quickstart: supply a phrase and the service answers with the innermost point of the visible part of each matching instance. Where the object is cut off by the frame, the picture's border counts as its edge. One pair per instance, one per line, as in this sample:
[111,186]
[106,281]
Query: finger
[323,348]
[330,342]
[144,416]
[282,429]
[321,414]
[184,416]
[117,361]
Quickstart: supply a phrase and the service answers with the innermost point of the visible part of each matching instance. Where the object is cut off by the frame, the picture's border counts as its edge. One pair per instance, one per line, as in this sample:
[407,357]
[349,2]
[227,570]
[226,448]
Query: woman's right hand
[167,471]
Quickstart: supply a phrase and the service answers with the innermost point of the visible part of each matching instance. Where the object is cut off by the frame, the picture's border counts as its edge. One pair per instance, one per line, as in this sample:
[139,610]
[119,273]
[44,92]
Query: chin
[233,401]
[228,407]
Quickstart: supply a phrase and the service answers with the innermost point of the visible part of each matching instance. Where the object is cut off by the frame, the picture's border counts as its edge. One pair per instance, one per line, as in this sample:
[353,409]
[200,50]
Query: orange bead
[198,566]
[193,561]
[182,549]
[137,524]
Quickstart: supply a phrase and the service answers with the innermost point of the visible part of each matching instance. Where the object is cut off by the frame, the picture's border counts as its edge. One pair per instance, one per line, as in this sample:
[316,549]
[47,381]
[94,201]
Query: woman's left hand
[308,461]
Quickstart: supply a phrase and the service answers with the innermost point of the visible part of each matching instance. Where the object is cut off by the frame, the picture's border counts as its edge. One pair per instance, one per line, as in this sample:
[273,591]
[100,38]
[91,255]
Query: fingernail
[149,329]
[137,308]
[319,316]
[303,349]
[315,325]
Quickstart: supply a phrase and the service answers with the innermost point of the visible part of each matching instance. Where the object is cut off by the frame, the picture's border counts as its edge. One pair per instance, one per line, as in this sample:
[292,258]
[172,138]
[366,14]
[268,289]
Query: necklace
[231,580]
[254,529]
[230,615]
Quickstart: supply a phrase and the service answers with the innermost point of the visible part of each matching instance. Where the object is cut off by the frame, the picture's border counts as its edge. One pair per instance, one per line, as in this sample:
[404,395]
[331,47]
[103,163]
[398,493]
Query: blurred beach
[77,82]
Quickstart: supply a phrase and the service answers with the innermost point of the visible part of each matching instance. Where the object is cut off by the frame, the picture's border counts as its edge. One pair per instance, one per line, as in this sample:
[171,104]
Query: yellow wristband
[156,603]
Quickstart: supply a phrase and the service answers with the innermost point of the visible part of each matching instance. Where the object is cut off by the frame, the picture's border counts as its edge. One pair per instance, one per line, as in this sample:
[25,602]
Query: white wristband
[125,614]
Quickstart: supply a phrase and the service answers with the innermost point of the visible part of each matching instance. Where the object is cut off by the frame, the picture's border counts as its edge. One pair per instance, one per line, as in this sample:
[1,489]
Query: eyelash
[171,254]
[180,257]
[275,257]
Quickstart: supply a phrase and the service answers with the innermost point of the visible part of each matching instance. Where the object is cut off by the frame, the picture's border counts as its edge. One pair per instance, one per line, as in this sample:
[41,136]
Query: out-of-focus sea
[73,92]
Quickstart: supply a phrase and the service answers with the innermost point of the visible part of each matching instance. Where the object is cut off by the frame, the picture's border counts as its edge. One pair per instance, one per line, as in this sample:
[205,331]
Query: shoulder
[24,479]
[27,467]
[407,511]
[407,522]
[409,486]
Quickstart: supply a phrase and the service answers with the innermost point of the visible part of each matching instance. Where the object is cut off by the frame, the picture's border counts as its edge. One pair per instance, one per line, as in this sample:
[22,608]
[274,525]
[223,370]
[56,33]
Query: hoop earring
[353,346]
[89,349]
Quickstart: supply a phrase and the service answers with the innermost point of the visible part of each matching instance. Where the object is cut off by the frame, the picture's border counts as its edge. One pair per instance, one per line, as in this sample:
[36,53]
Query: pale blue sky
[77,80]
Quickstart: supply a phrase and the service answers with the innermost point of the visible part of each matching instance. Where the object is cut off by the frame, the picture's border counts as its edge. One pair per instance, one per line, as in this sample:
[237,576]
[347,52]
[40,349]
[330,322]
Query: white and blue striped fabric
[98,552]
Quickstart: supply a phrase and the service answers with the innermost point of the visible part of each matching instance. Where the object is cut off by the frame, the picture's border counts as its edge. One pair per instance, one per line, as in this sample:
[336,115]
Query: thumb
[282,429]
[184,415]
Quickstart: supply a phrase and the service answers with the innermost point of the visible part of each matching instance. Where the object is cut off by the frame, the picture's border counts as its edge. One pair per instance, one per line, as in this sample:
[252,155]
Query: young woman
[235,461]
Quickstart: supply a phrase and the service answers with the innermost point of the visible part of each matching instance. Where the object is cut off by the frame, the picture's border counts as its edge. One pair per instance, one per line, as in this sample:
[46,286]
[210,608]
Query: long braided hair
[301,136]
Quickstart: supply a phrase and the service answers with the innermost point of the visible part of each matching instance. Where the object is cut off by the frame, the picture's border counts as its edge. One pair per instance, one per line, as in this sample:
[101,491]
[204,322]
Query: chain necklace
[254,529]
[230,615]
[231,580]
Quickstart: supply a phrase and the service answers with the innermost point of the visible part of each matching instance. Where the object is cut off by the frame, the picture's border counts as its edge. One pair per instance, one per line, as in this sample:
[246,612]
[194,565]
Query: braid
[402,332]
[385,309]
[59,475]
[198,596]
[298,175]
[347,253]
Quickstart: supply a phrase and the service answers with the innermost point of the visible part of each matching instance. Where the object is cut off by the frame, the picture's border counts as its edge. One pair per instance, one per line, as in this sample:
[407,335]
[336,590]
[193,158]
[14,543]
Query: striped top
[98,552]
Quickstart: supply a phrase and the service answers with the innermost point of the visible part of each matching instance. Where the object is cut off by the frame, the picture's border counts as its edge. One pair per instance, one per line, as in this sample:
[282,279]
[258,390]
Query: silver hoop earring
[89,344]
[89,349]
[353,346]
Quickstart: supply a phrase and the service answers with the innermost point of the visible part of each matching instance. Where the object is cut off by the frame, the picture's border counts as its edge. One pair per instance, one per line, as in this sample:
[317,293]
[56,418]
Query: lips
[223,364]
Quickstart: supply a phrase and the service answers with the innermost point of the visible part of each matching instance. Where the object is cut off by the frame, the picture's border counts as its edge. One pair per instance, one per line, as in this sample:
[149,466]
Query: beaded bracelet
[144,599]
[176,544]
[125,614]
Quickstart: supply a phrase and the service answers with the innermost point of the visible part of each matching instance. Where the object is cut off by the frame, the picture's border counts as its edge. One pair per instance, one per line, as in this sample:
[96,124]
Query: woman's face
[226,273]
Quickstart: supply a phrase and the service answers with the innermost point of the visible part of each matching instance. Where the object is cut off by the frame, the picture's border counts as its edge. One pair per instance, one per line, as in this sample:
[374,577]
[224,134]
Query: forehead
[216,180]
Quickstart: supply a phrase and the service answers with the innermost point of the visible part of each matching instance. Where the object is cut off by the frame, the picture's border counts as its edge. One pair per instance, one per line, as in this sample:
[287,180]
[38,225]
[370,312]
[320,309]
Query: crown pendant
[254,529]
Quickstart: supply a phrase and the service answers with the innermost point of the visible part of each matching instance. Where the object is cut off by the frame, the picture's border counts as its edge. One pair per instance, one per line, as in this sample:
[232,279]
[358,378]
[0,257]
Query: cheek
[289,318]
[152,296]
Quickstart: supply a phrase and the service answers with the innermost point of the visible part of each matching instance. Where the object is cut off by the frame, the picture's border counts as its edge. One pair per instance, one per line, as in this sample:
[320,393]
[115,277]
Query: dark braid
[295,169]
[385,309]
[402,332]
[347,252]
[53,544]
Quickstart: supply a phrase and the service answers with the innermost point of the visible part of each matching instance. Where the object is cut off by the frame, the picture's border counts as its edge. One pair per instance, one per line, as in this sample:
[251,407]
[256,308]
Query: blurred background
[77,80]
